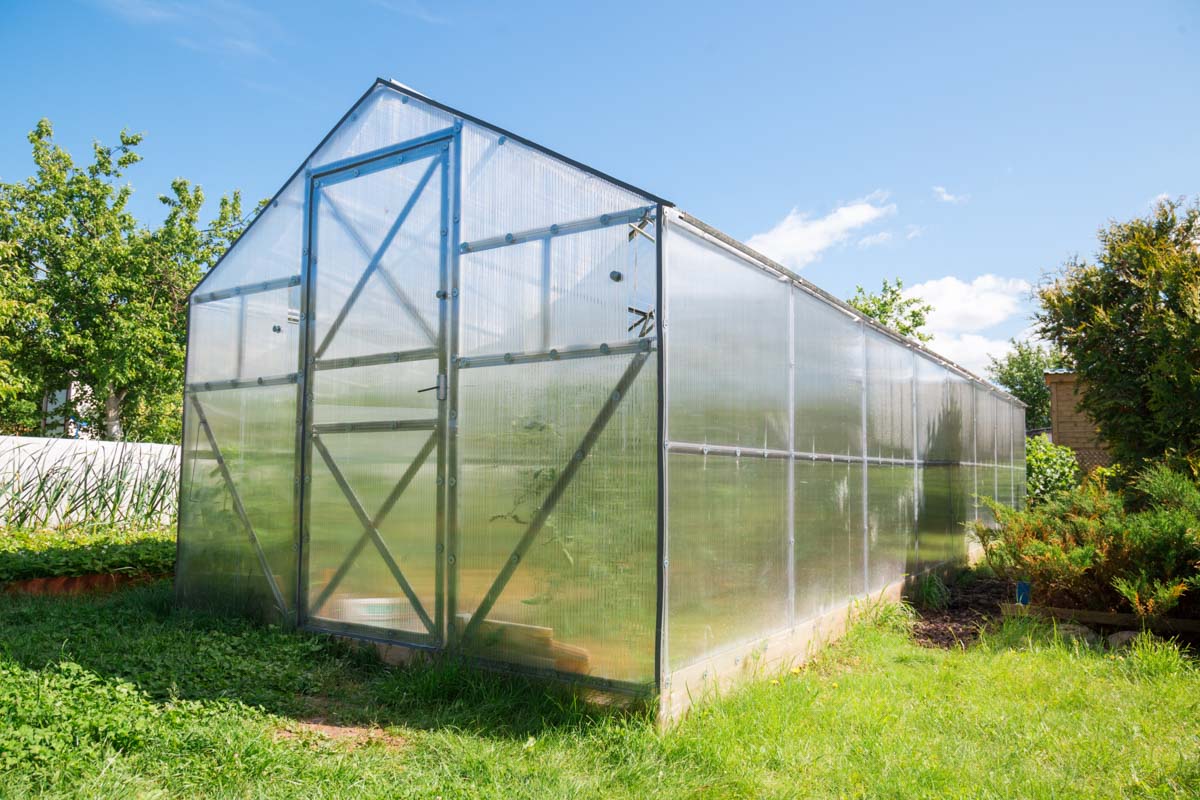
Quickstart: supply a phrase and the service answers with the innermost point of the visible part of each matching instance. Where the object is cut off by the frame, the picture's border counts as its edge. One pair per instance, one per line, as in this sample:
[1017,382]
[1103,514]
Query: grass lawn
[121,696]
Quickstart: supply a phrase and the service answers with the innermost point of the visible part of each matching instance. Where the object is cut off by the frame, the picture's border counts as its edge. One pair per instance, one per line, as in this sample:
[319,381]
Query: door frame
[443,148]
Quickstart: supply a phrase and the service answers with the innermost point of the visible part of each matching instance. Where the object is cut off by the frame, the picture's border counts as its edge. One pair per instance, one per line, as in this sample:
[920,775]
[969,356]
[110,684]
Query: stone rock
[1121,639]
[1069,631]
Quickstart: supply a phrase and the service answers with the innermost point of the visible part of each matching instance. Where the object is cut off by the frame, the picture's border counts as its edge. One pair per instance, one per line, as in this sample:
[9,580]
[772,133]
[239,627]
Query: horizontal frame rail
[562,229]
[561,354]
[555,494]
[375,426]
[696,448]
[242,383]
[368,162]
[249,288]
[374,359]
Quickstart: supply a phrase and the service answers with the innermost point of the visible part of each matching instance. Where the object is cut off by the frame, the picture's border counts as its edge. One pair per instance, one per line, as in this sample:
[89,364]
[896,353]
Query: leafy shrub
[1049,468]
[1094,548]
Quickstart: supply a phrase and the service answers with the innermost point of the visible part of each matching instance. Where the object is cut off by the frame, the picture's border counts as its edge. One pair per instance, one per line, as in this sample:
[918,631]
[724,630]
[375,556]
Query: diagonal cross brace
[555,494]
[373,532]
[376,258]
[238,507]
[392,498]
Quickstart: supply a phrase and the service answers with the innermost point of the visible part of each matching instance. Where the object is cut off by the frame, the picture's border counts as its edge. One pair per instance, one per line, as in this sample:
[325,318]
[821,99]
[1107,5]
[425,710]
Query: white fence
[51,482]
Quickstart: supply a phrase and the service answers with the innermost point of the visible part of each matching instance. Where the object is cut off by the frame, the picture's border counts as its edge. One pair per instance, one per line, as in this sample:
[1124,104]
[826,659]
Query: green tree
[1022,371]
[905,315]
[1130,323]
[104,298]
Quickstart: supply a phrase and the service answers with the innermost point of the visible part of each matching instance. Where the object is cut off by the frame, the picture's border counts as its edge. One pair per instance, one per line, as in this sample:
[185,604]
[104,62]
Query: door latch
[440,386]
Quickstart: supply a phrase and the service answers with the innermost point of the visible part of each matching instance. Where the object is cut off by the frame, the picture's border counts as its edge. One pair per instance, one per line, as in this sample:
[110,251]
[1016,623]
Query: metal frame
[444,148]
[433,147]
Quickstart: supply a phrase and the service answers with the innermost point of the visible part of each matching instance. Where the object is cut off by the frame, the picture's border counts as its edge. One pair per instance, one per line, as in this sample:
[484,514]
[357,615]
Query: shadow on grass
[137,635]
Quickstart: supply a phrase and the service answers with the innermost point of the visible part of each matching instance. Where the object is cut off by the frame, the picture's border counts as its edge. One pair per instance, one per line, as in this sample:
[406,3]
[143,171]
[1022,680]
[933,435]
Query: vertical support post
[866,505]
[791,462]
[661,663]
[547,276]
[916,456]
[450,475]
[975,450]
[448,243]
[305,376]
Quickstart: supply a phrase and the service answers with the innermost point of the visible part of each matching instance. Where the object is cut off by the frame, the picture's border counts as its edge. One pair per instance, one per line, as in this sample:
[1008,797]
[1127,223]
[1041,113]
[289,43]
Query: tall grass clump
[53,487]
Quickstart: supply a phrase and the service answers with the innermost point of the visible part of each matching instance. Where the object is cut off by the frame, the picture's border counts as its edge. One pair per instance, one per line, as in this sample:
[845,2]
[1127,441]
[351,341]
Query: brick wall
[1071,427]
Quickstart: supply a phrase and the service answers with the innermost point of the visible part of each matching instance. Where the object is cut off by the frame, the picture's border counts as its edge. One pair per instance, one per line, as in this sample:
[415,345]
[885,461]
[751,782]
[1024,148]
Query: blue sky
[968,151]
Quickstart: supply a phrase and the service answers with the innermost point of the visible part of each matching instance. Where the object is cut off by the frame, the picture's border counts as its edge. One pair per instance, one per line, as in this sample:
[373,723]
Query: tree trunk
[112,414]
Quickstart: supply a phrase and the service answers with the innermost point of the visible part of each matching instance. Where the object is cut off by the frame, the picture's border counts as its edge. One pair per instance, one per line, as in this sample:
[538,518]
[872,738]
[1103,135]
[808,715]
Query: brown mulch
[971,607]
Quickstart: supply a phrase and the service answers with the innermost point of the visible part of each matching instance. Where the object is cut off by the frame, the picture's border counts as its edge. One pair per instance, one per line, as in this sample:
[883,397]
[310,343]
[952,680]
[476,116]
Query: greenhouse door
[373,511]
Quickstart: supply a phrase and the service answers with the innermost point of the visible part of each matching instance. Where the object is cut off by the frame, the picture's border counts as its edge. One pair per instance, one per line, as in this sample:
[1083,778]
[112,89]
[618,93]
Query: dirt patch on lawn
[972,605]
[317,731]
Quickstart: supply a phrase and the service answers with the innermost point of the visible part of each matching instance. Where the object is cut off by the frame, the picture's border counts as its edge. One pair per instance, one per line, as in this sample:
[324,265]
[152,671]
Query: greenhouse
[454,391]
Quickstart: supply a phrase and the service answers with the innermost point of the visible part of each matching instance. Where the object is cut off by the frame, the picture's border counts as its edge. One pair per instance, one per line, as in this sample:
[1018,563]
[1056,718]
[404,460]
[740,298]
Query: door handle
[440,386]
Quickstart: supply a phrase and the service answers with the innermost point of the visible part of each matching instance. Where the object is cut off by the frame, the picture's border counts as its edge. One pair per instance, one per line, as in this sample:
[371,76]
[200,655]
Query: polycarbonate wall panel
[828,535]
[588,581]
[728,577]
[729,347]
[558,292]
[889,398]
[270,248]
[938,426]
[255,434]
[890,524]
[829,378]
[240,332]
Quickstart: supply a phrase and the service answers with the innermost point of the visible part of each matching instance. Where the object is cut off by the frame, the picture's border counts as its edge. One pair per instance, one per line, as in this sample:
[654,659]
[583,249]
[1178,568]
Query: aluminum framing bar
[245,289]
[368,162]
[555,494]
[450,314]
[393,497]
[374,359]
[243,383]
[376,536]
[701,449]
[263,564]
[377,258]
[401,296]
[375,426]
[564,354]
[561,229]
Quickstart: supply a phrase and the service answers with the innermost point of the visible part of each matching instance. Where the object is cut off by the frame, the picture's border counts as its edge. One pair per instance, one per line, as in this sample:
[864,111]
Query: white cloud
[970,350]
[963,312]
[883,237]
[913,231]
[798,239]
[960,307]
[941,194]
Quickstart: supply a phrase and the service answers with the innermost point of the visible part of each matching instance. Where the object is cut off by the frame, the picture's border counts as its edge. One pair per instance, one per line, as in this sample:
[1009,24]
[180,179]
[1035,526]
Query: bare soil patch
[972,605]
